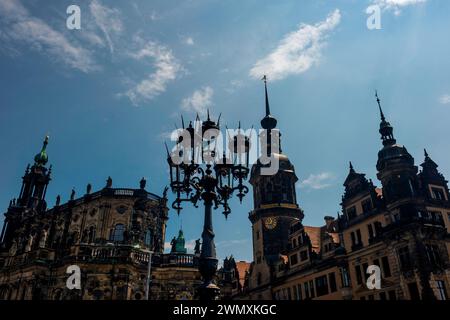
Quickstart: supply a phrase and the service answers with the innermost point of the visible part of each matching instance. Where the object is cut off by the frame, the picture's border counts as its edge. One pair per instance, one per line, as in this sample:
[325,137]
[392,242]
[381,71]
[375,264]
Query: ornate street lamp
[214,179]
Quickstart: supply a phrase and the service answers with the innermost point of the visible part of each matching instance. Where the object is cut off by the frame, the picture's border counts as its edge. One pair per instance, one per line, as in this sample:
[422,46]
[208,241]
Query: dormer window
[437,193]
[366,205]
[351,213]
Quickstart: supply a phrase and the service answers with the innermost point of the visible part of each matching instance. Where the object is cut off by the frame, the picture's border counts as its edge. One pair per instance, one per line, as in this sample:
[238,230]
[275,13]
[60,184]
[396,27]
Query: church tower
[35,182]
[31,200]
[396,169]
[275,200]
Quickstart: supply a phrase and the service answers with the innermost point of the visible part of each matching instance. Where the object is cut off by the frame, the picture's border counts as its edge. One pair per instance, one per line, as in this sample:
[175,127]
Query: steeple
[351,168]
[386,130]
[429,166]
[356,184]
[268,122]
[35,181]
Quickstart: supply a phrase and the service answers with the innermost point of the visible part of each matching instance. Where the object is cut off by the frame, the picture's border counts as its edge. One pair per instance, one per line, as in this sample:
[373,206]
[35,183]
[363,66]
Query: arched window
[117,233]
[148,238]
[91,234]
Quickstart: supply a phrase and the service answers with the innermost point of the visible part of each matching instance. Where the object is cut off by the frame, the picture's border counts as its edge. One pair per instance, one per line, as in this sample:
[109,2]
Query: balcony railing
[130,254]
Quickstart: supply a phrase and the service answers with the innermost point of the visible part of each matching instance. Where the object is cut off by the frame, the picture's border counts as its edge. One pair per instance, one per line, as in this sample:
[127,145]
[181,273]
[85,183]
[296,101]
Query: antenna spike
[218,119]
[379,106]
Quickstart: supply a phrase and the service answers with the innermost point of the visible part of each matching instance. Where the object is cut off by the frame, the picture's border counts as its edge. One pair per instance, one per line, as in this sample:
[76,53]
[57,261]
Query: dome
[393,153]
[41,158]
[284,164]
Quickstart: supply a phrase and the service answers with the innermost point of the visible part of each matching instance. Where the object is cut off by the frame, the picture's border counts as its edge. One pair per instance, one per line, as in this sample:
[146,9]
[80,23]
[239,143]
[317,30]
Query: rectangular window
[376,262]
[370,229]
[321,286]
[332,281]
[307,293]
[294,259]
[358,236]
[438,193]
[358,274]
[441,289]
[311,287]
[366,275]
[386,268]
[304,255]
[345,278]
[405,259]
[366,205]
[351,213]
[433,255]
[378,227]
[352,235]
[299,292]
[413,291]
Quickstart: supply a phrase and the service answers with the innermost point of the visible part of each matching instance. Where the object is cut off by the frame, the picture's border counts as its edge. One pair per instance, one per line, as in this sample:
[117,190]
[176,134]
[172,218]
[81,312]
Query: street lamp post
[149,275]
[213,180]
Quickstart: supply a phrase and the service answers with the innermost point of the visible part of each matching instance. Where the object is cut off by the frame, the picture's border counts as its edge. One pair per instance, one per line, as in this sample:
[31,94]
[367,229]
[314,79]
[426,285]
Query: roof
[314,234]
[379,192]
[317,236]
[242,267]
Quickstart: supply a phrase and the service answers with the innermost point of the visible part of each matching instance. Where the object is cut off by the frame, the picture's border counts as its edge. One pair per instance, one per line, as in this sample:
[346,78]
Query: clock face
[270,223]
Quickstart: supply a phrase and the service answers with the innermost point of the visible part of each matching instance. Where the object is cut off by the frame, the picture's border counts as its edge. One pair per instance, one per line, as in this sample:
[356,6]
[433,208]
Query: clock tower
[275,200]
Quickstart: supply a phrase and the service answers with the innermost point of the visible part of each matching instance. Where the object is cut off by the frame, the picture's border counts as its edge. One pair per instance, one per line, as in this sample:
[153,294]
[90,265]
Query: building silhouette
[108,233]
[401,227]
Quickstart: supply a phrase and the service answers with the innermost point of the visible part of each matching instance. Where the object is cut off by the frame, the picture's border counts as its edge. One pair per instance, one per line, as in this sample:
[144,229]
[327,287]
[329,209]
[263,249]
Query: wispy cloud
[444,99]
[232,243]
[199,101]
[108,20]
[234,85]
[20,27]
[396,5]
[188,40]
[318,181]
[166,69]
[297,51]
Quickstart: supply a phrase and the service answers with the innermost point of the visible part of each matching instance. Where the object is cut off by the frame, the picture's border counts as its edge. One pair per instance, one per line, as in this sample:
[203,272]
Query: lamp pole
[212,179]
[149,275]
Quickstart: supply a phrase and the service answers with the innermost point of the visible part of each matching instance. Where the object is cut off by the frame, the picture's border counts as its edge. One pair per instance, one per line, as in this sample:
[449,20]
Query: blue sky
[110,93]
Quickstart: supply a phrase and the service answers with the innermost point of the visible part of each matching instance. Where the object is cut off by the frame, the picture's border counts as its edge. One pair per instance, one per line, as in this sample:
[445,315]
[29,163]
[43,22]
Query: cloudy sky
[110,93]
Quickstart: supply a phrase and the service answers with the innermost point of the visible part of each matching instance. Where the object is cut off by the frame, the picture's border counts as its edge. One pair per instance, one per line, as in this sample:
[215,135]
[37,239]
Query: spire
[351,167]
[379,106]
[41,158]
[268,122]
[386,130]
[267,96]
[428,164]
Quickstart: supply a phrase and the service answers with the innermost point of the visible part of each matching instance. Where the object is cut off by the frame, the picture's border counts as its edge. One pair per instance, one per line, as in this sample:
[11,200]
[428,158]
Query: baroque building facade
[115,236]
[402,227]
